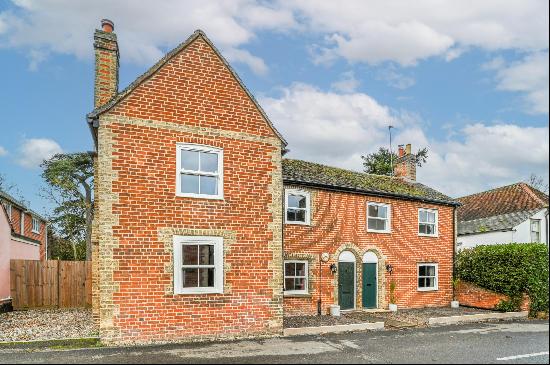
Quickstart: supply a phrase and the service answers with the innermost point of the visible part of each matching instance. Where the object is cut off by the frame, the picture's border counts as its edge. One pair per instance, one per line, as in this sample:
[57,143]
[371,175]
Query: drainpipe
[319,301]
[455,238]
[546,226]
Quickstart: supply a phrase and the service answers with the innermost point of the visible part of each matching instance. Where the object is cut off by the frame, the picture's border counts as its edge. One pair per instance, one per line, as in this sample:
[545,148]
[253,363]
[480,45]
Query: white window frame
[306,277]
[305,194]
[35,225]
[388,218]
[531,221]
[436,277]
[219,175]
[179,242]
[436,230]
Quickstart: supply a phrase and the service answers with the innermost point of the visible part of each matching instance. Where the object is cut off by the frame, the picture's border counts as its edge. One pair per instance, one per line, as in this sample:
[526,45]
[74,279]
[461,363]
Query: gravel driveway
[46,324]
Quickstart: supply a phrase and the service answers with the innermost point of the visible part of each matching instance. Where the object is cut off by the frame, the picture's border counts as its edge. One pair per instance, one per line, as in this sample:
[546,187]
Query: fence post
[58,284]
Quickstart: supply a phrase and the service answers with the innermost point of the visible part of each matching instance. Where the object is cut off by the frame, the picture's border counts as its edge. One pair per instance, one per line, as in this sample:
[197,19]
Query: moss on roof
[303,172]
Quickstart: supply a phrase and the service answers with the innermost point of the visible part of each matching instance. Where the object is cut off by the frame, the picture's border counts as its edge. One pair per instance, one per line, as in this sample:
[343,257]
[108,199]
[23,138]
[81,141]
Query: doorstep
[472,318]
[375,310]
[302,331]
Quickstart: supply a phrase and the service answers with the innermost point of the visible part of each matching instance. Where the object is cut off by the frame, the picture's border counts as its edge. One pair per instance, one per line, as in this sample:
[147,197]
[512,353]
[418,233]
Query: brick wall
[193,98]
[339,224]
[471,295]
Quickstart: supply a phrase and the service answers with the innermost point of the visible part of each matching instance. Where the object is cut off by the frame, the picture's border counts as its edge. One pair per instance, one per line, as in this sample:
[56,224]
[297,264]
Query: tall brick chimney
[405,165]
[106,63]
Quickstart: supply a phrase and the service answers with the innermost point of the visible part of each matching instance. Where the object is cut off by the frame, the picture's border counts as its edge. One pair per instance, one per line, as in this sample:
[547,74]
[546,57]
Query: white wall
[521,233]
[489,238]
[523,230]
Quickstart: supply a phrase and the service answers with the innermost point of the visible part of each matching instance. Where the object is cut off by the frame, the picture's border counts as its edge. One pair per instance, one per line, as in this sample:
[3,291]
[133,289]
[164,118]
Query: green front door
[369,285]
[346,285]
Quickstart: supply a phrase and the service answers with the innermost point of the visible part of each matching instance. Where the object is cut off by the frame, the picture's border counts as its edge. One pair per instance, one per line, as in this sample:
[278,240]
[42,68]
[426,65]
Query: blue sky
[467,80]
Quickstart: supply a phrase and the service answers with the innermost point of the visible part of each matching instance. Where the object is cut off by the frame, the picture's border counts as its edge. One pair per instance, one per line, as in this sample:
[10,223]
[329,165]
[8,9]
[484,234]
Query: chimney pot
[405,166]
[107,25]
[401,151]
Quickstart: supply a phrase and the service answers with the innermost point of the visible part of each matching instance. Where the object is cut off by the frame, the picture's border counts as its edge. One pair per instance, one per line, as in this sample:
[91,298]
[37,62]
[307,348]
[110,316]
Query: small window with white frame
[35,225]
[298,203]
[535,230]
[296,277]
[198,265]
[200,171]
[427,222]
[378,217]
[427,277]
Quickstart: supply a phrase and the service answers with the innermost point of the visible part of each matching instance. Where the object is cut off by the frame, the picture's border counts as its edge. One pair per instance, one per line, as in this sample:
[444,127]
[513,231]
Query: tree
[380,162]
[69,179]
[538,183]
[62,249]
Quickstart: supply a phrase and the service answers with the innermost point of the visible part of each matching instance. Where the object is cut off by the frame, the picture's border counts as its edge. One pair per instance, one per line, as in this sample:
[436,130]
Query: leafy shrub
[511,269]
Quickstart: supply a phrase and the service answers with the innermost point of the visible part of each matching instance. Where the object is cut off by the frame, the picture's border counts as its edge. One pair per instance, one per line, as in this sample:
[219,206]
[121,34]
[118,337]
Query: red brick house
[193,199]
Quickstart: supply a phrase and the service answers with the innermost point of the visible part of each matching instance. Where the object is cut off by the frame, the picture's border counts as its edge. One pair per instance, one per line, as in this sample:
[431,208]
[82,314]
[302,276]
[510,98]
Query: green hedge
[511,269]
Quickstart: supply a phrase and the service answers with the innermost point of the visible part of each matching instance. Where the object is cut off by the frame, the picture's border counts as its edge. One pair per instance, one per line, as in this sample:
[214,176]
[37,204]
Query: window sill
[298,223]
[428,235]
[296,295]
[199,292]
[375,231]
[199,196]
[35,232]
[427,289]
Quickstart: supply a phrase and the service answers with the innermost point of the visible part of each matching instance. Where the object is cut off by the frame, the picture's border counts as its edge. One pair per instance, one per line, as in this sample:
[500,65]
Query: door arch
[370,280]
[346,280]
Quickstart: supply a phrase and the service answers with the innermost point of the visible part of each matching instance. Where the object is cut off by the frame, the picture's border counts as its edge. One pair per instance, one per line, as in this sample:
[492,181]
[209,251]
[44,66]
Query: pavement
[498,343]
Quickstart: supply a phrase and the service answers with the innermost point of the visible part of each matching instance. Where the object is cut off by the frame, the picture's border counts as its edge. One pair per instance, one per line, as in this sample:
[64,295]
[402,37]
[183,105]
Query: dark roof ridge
[167,57]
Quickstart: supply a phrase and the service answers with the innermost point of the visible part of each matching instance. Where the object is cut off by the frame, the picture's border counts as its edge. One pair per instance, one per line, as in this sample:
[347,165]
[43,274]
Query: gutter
[93,124]
[370,193]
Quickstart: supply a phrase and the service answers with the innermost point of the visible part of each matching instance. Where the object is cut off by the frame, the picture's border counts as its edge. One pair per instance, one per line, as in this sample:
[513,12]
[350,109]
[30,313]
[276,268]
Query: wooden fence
[50,284]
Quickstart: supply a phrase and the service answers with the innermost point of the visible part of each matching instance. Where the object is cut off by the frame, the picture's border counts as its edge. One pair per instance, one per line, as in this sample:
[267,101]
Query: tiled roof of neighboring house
[513,198]
[7,197]
[151,71]
[501,222]
[317,175]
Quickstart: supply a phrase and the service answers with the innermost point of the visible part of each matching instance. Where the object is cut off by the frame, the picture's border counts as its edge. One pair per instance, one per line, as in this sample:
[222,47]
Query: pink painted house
[23,236]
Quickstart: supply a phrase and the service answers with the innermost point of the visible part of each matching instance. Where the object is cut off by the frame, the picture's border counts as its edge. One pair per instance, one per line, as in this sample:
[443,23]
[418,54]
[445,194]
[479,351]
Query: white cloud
[408,31]
[528,76]
[395,79]
[347,83]
[144,30]
[34,151]
[327,126]
[3,151]
[365,31]
[483,156]
[337,129]
[256,64]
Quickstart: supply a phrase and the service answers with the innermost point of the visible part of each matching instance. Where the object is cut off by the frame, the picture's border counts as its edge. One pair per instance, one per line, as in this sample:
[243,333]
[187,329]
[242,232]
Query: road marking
[522,356]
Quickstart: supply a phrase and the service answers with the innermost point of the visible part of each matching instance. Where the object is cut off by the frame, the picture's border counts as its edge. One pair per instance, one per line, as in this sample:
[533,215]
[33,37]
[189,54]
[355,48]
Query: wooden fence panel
[43,284]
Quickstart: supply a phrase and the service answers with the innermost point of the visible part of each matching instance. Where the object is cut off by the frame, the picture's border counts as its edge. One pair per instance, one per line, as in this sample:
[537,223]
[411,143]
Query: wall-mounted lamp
[333,268]
[389,268]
